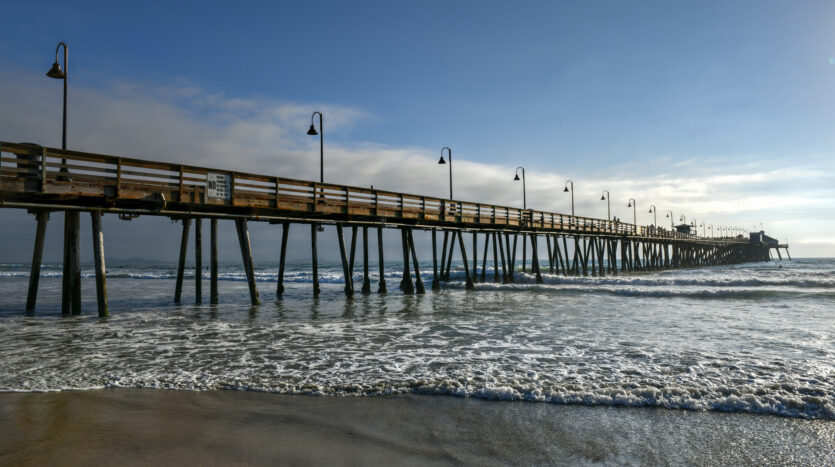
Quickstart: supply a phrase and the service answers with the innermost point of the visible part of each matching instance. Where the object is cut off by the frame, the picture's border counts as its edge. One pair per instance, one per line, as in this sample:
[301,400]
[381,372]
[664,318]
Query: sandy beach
[166,427]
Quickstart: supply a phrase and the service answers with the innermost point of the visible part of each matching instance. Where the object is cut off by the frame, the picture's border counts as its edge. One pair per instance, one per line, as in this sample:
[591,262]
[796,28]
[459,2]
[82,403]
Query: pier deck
[43,179]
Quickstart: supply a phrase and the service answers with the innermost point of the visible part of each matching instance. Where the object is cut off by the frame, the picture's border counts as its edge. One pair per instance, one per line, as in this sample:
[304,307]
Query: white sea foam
[630,340]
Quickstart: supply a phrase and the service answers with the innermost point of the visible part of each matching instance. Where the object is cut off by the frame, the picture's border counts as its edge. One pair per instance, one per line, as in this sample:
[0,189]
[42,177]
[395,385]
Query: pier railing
[38,174]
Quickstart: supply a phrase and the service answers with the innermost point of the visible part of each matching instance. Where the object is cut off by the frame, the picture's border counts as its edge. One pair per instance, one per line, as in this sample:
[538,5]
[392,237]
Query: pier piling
[366,280]
[314,258]
[181,265]
[98,259]
[198,260]
[382,285]
[246,254]
[213,296]
[282,258]
[42,217]
[418,281]
[469,279]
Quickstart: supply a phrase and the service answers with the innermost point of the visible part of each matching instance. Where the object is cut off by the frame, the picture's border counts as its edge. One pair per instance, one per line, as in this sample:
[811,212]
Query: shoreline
[227,427]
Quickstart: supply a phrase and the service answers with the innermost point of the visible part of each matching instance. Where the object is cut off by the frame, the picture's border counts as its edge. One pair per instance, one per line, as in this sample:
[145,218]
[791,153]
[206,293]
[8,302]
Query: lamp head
[566,189]
[312,131]
[650,210]
[602,197]
[629,205]
[442,161]
[516,178]
[56,72]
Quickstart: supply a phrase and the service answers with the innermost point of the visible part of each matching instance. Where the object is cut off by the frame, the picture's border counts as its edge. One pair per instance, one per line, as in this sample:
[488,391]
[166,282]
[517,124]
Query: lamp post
[711,230]
[704,231]
[634,205]
[670,215]
[442,161]
[605,197]
[524,207]
[654,211]
[312,132]
[516,179]
[57,73]
[71,279]
[572,194]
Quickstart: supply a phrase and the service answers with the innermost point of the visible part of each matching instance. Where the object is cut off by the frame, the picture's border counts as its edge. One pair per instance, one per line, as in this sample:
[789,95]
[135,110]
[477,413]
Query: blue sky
[721,110]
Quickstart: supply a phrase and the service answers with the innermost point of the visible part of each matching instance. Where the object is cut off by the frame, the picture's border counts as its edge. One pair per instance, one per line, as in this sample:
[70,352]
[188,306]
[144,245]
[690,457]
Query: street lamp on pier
[565,190]
[671,217]
[605,197]
[442,161]
[524,207]
[654,212]
[634,205]
[312,131]
[516,178]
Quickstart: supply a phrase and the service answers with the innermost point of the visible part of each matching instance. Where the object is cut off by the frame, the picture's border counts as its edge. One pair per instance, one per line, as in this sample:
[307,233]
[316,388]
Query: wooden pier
[42,179]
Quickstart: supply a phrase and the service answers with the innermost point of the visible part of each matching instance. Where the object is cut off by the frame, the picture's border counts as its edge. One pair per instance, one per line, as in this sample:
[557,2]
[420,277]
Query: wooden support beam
[550,254]
[98,259]
[366,279]
[181,265]
[505,279]
[576,255]
[535,259]
[475,256]
[346,271]
[382,262]
[436,281]
[496,238]
[75,262]
[353,250]
[598,243]
[469,279]
[418,280]
[558,255]
[524,253]
[443,255]
[42,218]
[590,252]
[246,255]
[624,257]
[406,283]
[66,276]
[71,281]
[198,260]
[285,231]
[314,258]
[565,265]
[449,258]
[484,259]
[213,262]
[584,256]
[511,258]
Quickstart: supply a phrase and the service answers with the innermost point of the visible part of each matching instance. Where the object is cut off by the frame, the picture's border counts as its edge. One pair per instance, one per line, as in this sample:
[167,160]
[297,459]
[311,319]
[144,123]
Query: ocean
[755,339]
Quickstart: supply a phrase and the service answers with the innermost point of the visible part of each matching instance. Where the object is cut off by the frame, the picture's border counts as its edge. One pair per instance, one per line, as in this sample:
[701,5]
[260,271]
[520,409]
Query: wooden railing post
[181,184]
[43,170]
[118,176]
[347,200]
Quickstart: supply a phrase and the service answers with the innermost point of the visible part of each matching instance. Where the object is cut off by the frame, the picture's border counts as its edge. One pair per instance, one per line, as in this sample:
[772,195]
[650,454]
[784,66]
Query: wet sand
[163,427]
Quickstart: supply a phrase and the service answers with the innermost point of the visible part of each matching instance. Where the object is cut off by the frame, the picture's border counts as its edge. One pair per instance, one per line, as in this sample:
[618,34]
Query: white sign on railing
[218,185]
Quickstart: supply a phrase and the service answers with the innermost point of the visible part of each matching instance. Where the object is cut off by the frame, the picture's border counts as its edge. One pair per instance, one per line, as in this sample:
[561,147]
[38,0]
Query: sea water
[755,338]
